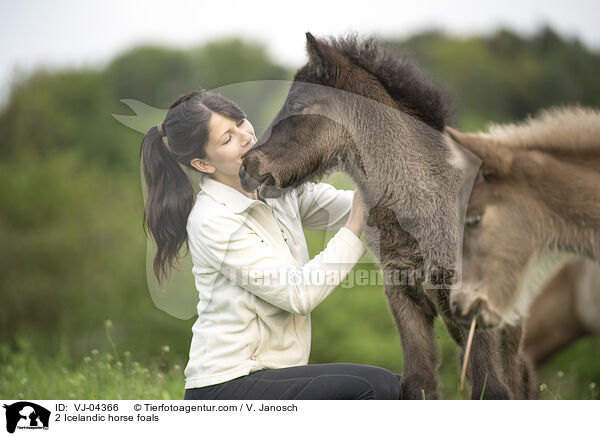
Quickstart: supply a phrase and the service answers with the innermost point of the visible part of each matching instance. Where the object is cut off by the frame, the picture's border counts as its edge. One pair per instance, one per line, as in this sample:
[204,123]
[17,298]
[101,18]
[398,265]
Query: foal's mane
[400,76]
[562,128]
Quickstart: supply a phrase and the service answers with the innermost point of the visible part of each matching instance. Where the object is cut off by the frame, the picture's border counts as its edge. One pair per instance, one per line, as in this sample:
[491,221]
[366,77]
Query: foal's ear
[496,158]
[326,61]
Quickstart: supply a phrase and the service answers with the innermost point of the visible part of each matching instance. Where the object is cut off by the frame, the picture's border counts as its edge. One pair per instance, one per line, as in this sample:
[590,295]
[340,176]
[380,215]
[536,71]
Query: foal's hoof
[466,306]
[411,388]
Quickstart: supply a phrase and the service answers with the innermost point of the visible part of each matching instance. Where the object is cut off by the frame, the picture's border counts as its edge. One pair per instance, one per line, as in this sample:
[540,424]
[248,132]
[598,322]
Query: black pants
[325,381]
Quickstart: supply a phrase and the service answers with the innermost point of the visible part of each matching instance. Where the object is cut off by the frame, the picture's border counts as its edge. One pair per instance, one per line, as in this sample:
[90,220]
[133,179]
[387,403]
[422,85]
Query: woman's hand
[355,221]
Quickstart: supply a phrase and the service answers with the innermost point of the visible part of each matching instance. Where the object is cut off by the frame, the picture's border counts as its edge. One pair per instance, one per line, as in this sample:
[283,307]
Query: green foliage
[158,75]
[62,224]
[506,77]
[53,112]
[72,248]
[25,374]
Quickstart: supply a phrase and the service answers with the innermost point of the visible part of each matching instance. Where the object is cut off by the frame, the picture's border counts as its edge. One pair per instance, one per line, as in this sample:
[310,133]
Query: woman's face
[228,141]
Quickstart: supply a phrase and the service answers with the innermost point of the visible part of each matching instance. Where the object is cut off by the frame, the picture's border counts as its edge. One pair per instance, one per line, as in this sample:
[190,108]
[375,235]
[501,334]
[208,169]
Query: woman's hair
[170,193]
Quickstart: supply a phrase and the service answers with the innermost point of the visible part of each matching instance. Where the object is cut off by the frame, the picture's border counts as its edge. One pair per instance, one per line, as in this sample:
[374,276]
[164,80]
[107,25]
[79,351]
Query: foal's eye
[472,220]
[296,107]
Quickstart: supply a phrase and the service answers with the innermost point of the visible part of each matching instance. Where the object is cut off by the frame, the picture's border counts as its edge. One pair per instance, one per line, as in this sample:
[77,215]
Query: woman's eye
[296,107]
[472,220]
[241,122]
[228,140]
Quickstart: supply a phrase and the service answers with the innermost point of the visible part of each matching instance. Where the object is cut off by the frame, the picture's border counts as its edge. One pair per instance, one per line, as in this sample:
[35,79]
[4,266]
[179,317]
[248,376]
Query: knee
[385,383]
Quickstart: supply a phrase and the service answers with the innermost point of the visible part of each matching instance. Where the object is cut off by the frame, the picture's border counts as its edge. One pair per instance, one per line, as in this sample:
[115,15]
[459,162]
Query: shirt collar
[224,194]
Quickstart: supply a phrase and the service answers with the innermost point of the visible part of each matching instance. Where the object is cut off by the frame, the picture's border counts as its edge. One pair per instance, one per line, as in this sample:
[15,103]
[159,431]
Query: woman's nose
[249,138]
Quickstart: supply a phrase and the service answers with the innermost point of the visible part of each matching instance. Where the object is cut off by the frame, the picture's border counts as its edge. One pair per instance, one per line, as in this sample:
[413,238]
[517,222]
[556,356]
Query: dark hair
[170,192]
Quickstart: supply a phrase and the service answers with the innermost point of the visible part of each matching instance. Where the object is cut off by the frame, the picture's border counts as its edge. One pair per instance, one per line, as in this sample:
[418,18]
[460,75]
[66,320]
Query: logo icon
[26,415]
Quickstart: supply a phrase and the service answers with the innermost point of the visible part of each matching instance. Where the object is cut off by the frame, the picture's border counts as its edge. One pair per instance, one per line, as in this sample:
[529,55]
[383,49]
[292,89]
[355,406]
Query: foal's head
[311,133]
[507,227]
[536,196]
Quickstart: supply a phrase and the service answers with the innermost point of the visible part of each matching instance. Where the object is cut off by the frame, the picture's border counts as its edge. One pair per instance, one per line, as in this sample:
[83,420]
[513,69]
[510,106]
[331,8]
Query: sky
[75,33]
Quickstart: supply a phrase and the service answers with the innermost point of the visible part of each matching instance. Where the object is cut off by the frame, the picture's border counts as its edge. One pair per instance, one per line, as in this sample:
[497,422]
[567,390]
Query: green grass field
[113,374]
[116,374]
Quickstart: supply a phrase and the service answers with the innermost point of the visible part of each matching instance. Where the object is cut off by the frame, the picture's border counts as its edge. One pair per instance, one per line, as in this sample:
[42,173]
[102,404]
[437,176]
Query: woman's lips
[247,151]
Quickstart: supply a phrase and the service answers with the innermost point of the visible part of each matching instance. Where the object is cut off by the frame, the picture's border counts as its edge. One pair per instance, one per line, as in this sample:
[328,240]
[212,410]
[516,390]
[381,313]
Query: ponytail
[169,202]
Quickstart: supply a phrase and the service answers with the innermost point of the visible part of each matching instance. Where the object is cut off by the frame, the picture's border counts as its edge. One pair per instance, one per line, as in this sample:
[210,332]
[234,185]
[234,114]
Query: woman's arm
[235,250]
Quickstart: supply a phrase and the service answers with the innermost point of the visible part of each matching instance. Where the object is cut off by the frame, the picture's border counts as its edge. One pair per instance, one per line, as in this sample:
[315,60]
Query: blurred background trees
[72,247]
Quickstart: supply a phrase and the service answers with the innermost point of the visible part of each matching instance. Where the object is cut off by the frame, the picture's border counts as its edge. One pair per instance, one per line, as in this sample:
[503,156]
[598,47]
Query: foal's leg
[517,367]
[486,367]
[414,321]
[484,359]
[488,354]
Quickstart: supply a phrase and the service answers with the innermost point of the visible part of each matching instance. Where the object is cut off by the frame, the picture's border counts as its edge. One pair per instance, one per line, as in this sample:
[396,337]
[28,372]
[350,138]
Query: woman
[255,281]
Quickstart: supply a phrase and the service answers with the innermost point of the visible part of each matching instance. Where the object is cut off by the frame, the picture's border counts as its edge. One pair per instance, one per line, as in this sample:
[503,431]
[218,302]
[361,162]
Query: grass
[484,386]
[97,375]
[573,373]
[115,374]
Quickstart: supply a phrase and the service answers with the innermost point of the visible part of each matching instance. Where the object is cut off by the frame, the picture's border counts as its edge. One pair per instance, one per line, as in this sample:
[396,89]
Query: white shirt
[255,281]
